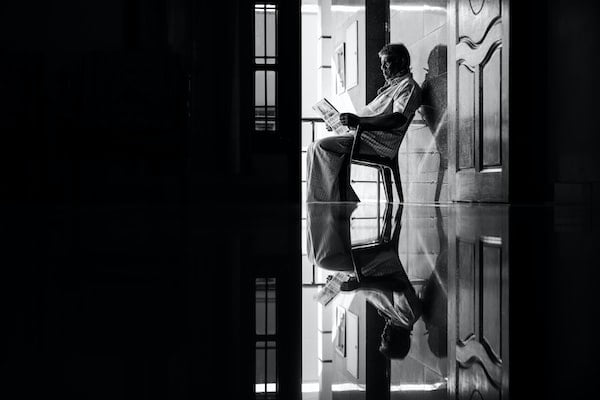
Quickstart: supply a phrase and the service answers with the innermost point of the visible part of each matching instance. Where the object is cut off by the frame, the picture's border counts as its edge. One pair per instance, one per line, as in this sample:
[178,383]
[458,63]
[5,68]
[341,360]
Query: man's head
[395,60]
[395,341]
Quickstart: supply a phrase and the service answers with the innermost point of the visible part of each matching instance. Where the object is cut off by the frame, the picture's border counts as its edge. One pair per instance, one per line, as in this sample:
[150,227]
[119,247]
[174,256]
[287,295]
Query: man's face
[386,67]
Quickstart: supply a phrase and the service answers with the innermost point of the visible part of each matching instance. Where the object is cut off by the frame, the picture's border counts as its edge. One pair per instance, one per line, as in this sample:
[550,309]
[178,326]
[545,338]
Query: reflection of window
[266,301]
[265,67]
[265,109]
[265,295]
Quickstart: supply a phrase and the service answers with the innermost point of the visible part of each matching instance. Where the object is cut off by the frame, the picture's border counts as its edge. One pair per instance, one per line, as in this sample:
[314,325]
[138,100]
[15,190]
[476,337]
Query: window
[265,67]
[265,295]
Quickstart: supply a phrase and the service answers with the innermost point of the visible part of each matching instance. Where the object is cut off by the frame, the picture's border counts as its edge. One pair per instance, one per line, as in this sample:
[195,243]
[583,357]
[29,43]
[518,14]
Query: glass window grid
[266,338]
[266,59]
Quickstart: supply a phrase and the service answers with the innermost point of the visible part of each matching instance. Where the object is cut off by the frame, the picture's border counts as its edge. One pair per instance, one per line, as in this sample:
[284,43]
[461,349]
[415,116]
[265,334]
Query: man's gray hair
[398,56]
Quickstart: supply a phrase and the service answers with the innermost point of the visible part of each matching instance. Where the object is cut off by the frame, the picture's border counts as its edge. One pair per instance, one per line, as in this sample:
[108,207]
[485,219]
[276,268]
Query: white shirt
[400,94]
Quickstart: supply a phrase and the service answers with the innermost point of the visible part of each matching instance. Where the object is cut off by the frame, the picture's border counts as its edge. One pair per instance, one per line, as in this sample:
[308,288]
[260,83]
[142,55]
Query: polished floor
[325,301]
[448,301]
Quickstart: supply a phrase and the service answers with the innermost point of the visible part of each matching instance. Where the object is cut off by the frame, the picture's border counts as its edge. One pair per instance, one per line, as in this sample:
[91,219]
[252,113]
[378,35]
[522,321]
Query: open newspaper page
[331,116]
[331,288]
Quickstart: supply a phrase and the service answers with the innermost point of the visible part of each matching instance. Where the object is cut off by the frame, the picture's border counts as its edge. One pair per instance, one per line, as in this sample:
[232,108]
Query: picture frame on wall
[340,68]
[352,343]
[340,337]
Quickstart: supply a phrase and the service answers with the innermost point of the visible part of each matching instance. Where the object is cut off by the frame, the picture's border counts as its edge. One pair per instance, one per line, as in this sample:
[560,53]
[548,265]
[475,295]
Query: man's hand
[349,119]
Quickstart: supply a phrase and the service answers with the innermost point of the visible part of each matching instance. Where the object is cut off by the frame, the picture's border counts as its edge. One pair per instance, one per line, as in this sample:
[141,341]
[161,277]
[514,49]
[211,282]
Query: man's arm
[379,122]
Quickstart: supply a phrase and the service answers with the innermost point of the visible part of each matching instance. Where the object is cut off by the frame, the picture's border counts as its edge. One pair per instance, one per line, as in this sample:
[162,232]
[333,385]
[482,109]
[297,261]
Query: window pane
[260,308]
[260,365]
[271,310]
[259,88]
[260,317]
[271,38]
[259,32]
[271,366]
[271,87]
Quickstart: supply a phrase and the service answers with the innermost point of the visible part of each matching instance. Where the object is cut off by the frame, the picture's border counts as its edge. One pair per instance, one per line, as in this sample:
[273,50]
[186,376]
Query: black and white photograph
[299,199]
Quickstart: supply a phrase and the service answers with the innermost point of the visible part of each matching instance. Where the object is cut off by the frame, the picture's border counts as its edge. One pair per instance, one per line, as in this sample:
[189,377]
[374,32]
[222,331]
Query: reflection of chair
[386,243]
[386,166]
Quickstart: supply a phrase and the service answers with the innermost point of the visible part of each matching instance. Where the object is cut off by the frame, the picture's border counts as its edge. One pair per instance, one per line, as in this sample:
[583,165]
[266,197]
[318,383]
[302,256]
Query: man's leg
[327,169]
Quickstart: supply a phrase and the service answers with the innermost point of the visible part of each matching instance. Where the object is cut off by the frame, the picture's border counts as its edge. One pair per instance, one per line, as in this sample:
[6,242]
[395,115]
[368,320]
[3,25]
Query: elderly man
[385,121]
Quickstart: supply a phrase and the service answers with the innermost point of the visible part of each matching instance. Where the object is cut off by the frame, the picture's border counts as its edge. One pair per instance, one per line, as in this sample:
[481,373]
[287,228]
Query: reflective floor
[455,301]
[328,301]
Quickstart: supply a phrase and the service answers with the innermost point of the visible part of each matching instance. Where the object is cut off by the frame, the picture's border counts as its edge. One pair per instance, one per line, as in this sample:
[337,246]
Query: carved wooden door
[478,303]
[478,99]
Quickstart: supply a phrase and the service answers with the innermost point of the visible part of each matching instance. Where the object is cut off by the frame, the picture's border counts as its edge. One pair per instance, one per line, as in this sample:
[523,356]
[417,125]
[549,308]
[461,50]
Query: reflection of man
[328,236]
[385,121]
[397,302]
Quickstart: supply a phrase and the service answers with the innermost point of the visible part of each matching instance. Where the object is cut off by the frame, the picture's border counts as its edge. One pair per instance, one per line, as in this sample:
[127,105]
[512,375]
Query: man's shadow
[434,108]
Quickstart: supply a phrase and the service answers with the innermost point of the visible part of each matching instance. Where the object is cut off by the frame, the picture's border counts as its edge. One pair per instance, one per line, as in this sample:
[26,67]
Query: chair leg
[396,171]
[387,222]
[387,181]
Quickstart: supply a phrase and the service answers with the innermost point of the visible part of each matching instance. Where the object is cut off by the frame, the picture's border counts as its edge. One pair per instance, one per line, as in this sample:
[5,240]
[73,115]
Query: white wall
[310,38]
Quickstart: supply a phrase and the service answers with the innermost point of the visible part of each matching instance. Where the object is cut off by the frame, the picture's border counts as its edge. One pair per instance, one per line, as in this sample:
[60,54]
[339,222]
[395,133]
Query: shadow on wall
[434,107]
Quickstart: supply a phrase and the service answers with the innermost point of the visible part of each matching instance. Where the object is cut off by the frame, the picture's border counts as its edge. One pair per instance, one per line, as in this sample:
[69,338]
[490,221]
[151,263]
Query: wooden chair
[386,167]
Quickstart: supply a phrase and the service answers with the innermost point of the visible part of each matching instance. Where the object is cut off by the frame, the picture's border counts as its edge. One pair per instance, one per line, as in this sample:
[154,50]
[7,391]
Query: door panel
[478,100]
[466,117]
[492,109]
[466,292]
[475,14]
[478,304]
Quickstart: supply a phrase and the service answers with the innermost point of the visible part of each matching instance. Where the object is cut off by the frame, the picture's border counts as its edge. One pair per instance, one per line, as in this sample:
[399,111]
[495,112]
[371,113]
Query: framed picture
[340,337]
[340,68]
[352,344]
[351,52]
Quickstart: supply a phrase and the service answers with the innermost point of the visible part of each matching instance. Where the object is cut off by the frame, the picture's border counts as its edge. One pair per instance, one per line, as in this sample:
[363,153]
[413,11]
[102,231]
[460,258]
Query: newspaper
[331,116]
[331,288]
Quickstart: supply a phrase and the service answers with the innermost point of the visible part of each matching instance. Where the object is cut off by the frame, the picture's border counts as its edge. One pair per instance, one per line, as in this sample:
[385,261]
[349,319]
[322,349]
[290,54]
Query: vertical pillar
[324,49]
[325,350]
[377,17]
[378,371]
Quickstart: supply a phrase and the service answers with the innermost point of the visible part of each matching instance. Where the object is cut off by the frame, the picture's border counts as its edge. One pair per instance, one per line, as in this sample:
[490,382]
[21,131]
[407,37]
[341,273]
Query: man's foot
[350,285]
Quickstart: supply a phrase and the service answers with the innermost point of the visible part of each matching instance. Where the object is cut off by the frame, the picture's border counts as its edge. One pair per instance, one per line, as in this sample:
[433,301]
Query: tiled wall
[421,26]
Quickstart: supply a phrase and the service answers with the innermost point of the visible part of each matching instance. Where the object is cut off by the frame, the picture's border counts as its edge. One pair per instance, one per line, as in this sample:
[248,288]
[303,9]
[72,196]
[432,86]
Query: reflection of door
[478,99]
[352,343]
[478,303]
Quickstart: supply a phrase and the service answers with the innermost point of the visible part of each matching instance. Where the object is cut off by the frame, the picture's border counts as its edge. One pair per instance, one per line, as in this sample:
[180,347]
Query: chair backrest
[398,142]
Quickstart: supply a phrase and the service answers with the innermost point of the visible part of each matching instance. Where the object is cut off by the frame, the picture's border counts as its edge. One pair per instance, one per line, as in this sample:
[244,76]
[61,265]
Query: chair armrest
[356,142]
[357,271]
[355,147]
